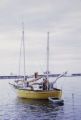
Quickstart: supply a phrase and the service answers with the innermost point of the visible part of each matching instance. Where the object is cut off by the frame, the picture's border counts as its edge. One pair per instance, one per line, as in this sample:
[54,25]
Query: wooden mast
[47,55]
[23,50]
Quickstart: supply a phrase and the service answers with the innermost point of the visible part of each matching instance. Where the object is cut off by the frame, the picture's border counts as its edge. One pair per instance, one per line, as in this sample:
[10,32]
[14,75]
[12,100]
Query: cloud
[61,18]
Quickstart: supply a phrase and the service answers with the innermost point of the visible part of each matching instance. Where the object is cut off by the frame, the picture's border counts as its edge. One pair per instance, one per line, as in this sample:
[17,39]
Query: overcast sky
[62,18]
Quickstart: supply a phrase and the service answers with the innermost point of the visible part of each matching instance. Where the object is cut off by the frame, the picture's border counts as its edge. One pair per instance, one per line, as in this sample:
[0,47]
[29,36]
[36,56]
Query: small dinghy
[56,101]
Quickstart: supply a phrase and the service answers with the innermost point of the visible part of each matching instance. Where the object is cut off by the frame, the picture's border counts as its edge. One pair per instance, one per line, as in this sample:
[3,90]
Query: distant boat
[29,89]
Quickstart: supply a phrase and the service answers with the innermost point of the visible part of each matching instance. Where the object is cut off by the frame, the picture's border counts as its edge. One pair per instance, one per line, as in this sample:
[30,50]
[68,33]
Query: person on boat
[51,86]
[45,84]
[25,77]
[27,84]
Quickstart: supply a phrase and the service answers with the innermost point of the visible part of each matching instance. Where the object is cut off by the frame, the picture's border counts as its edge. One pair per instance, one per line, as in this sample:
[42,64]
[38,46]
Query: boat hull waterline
[36,94]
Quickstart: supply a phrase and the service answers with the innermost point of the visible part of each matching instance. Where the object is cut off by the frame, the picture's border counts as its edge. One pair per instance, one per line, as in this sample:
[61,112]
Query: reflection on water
[14,108]
[39,109]
[43,105]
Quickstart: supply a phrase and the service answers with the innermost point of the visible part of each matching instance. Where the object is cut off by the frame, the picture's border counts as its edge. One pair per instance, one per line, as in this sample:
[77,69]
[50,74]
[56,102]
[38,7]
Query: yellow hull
[30,94]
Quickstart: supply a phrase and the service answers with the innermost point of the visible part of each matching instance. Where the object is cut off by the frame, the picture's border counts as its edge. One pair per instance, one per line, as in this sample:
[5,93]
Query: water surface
[14,108]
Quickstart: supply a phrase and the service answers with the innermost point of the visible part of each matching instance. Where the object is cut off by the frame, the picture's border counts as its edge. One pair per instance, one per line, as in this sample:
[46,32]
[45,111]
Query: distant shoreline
[51,75]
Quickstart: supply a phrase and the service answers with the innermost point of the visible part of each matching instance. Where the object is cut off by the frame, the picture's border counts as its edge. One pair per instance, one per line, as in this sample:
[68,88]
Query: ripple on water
[13,108]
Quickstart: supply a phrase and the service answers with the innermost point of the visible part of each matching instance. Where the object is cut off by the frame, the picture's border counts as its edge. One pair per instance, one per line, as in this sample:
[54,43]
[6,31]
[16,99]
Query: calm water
[13,108]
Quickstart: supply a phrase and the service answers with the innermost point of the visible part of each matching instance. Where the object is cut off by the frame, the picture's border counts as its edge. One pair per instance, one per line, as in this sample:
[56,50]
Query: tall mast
[48,55]
[23,49]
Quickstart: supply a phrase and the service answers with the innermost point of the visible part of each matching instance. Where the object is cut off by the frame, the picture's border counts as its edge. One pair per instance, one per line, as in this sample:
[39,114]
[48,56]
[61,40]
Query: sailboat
[32,89]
